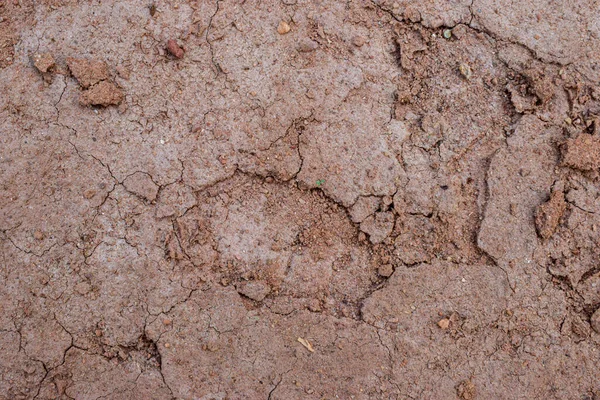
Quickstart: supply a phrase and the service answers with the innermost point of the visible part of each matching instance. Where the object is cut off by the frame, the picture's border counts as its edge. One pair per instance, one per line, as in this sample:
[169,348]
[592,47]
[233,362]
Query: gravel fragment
[283,28]
[174,49]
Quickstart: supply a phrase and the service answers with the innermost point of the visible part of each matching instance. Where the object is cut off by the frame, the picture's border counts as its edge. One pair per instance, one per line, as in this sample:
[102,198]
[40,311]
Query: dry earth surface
[300,199]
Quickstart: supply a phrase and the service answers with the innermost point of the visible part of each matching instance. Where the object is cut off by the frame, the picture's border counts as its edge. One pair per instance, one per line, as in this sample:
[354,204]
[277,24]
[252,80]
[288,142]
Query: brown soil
[299,200]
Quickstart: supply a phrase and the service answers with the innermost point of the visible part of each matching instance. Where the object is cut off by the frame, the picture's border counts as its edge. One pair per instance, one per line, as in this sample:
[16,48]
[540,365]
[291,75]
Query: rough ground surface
[299,199]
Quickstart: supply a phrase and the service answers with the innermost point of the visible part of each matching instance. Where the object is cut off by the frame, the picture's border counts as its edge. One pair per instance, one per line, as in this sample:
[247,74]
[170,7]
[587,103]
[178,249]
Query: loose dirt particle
[466,390]
[465,71]
[306,344]
[582,153]
[88,72]
[167,345]
[283,28]
[547,216]
[386,270]
[444,323]
[44,62]
[174,49]
[167,322]
[38,235]
[102,94]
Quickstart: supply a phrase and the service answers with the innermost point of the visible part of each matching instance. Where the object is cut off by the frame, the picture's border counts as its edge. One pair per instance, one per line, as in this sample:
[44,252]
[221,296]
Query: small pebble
[174,49]
[444,323]
[98,332]
[167,321]
[465,71]
[447,33]
[307,46]
[283,28]
[167,345]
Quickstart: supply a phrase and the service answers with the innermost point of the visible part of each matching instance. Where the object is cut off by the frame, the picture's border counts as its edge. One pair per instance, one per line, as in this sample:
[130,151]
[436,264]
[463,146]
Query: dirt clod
[88,72]
[174,49]
[386,270]
[44,62]
[102,94]
[582,152]
[548,215]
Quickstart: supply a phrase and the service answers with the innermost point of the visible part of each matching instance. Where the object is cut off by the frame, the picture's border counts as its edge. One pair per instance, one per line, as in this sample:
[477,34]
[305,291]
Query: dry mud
[299,199]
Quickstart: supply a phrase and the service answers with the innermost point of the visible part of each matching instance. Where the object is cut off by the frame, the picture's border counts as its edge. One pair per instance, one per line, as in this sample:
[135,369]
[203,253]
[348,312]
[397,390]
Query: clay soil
[296,199]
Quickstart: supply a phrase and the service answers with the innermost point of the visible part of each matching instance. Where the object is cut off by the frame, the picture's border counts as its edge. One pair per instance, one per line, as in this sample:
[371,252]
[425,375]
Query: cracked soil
[296,199]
